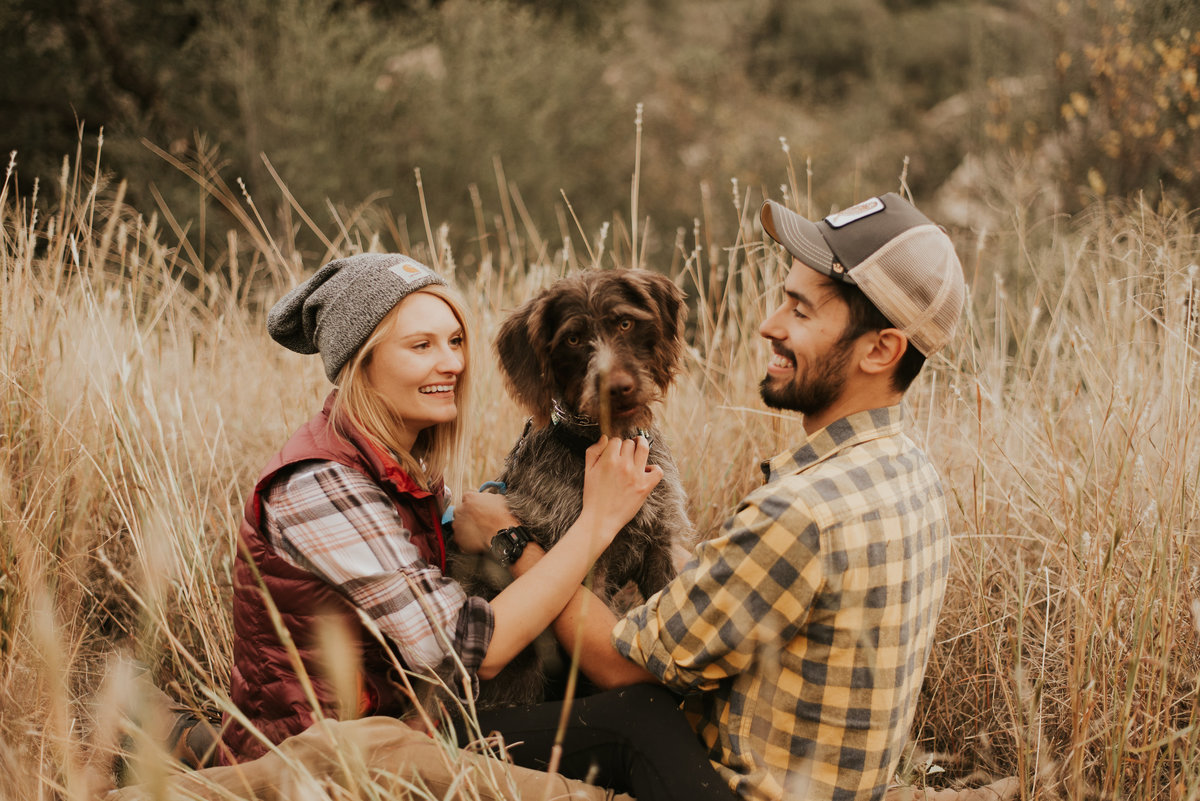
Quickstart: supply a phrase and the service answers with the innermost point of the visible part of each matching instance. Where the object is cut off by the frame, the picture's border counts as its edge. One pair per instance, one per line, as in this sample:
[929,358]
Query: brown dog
[591,354]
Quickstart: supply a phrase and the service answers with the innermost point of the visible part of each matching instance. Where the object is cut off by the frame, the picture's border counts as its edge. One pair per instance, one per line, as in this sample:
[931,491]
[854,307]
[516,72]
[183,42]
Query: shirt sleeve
[339,525]
[744,592]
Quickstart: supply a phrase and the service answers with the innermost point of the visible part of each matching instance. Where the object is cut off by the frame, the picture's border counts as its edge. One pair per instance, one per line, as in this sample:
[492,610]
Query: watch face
[499,549]
[508,544]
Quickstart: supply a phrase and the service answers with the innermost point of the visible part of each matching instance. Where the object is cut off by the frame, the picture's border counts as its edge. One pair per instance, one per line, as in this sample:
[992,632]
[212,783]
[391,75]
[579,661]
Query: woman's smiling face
[417,364]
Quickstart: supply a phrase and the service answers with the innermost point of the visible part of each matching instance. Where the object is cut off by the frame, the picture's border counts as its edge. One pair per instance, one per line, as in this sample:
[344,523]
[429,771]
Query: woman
[345,519]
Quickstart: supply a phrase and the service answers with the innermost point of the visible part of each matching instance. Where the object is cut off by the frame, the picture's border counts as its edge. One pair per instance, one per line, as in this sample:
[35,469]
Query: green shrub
[936,51]
[347,106]
[1131,100]
[814,49]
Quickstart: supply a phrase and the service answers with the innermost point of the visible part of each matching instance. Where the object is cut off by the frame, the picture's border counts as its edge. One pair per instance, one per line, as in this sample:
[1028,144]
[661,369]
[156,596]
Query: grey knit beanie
[335,310]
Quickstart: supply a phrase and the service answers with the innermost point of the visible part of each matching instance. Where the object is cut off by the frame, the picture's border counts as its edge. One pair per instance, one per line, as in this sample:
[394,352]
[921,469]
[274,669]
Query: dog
[591,354]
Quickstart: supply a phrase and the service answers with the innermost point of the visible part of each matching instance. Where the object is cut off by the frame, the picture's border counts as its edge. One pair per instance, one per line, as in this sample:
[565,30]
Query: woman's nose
[452,361]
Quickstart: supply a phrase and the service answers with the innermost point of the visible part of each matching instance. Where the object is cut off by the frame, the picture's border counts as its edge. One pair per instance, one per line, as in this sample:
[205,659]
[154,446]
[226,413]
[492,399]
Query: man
[807,623]
[801,632]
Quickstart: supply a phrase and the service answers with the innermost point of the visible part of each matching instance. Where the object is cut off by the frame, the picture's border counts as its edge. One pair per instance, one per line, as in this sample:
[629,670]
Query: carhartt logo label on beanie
[334,312]
[409,270]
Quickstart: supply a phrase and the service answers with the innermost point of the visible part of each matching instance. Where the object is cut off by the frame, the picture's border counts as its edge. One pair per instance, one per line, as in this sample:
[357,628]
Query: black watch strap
[509,544]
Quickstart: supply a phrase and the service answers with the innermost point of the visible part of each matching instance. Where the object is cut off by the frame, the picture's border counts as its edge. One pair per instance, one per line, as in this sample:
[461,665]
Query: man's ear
[882,351]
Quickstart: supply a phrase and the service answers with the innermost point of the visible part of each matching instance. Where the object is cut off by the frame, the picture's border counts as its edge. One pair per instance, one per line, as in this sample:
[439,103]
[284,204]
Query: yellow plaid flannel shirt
[804,627]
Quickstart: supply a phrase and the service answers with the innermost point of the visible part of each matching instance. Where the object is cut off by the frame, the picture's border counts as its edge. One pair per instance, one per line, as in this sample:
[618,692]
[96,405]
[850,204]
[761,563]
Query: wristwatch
[509,544]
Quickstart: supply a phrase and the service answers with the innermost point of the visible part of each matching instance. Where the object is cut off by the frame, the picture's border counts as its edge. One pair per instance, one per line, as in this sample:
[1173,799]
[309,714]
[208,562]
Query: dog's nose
[620,384]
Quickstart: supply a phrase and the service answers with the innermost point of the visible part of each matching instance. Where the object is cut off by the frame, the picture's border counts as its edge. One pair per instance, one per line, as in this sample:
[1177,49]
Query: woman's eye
[457,341]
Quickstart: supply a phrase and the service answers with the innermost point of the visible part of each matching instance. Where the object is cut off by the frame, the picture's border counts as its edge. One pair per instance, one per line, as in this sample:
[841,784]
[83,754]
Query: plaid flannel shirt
[336,523]
[804,627]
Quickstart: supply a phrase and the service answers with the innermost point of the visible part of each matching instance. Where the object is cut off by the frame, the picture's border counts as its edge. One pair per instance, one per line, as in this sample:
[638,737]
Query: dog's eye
[573,340]
[625,324]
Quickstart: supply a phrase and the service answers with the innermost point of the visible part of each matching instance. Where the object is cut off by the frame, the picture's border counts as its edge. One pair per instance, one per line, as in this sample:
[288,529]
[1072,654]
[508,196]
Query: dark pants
[634,740]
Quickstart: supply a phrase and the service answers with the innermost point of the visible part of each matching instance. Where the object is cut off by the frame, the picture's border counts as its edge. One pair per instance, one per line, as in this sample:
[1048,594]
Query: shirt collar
[845,433]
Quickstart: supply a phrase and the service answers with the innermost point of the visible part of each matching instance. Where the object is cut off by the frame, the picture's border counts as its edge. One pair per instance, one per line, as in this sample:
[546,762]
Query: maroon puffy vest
[264,684]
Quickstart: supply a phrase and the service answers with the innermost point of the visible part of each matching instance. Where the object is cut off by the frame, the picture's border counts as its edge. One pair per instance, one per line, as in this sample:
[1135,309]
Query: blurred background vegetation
[514,105]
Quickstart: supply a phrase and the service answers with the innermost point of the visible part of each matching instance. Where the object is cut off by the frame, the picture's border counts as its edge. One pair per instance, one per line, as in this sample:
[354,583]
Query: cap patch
[856,212]
[408,270]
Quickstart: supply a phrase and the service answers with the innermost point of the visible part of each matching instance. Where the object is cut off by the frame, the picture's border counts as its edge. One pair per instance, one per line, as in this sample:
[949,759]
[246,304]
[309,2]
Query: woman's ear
[522,346]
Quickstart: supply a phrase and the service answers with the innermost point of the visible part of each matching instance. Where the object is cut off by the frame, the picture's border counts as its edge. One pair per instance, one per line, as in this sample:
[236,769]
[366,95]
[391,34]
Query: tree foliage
[1131,100]
[347,98]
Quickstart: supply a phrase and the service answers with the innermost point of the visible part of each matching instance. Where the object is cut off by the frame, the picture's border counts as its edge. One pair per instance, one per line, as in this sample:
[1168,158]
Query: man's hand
[477,518]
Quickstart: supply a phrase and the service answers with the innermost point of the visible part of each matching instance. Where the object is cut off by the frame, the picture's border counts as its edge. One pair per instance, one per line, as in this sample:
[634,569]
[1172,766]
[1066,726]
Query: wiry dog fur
[602,346]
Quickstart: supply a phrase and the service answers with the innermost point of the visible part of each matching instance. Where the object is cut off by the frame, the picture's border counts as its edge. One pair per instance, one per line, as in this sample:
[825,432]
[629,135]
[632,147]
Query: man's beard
[810,391]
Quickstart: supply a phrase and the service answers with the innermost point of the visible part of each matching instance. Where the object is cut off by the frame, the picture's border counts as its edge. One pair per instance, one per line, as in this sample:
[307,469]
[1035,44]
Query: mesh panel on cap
[916,281]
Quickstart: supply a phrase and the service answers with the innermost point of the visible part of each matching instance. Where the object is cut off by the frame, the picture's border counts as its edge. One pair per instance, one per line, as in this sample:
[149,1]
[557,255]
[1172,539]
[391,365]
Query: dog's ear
[522,345]
[666,300]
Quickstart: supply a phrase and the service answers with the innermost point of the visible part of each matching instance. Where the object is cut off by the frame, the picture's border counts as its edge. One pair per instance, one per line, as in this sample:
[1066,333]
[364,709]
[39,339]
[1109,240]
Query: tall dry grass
[139,395]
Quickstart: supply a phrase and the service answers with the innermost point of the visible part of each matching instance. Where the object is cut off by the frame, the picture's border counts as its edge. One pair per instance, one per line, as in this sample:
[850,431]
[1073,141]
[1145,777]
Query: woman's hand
[477,518]
[616,483]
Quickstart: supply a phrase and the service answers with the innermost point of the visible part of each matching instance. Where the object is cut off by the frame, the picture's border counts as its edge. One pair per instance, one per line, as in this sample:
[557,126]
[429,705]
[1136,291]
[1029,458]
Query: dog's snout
[620,384]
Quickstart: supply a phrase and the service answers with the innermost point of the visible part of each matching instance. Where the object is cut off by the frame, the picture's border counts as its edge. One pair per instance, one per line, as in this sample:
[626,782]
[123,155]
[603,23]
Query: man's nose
[770,328]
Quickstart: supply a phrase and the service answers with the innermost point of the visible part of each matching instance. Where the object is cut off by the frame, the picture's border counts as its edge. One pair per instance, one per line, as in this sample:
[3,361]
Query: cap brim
[799,236]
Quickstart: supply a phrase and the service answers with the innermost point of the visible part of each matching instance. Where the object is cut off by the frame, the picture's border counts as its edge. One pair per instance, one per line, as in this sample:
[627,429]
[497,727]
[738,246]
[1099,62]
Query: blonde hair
[438,448]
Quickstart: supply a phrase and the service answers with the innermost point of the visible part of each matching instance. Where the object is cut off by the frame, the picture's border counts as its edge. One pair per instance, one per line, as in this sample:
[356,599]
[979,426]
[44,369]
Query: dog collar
[560,416]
